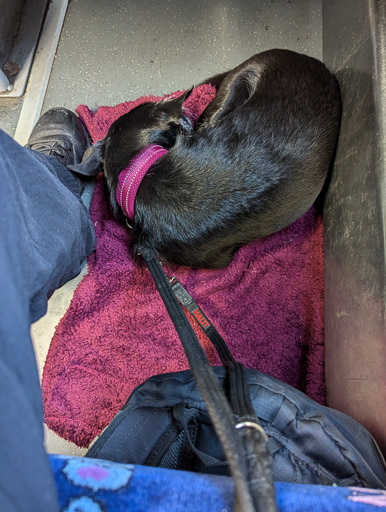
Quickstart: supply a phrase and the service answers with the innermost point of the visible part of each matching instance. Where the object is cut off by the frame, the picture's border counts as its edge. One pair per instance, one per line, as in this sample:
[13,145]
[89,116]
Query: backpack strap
[243,442]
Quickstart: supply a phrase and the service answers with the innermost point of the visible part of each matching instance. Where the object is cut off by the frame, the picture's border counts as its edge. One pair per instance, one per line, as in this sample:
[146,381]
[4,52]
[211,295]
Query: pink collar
[131,177]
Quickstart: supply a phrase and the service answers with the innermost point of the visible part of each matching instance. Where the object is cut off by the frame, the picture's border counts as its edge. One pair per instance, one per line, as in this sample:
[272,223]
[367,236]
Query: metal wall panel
[355,215]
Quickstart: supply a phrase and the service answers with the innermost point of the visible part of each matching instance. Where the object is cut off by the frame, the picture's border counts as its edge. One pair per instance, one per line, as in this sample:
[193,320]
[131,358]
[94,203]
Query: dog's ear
[174,107]
[91,162]
[235,90]
[169,121]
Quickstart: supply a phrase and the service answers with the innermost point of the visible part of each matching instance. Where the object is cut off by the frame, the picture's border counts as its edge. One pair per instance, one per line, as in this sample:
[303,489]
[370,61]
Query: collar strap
[131,177]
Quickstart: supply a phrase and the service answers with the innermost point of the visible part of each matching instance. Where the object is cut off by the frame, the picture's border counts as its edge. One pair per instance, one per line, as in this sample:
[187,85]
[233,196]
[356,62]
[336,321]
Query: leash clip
[252,424]
[128,223]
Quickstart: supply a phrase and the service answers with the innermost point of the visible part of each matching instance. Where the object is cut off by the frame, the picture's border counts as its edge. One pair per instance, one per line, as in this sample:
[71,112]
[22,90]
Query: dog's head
[150,123]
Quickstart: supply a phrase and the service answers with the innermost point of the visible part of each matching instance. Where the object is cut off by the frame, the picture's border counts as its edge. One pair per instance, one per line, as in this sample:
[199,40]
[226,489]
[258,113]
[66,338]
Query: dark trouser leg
[45,234]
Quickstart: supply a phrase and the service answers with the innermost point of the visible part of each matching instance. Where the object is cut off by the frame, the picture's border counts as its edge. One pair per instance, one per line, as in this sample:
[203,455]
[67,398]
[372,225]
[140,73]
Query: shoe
[61,134]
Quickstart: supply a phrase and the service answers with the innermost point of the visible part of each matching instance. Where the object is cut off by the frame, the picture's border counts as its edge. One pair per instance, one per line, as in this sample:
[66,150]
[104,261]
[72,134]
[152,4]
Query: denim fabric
[45,235]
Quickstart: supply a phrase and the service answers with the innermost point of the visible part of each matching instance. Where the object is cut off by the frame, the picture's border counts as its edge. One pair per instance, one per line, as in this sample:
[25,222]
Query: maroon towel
[267,304]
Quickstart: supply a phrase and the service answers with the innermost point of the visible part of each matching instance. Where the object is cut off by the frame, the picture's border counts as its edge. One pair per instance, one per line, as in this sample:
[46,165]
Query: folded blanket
[267,304]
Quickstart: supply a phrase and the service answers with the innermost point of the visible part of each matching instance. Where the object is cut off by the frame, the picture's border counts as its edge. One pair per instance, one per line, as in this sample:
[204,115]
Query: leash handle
[244,446]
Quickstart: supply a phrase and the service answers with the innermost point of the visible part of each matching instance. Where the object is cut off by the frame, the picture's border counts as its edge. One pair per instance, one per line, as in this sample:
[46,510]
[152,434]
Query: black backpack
[165,423]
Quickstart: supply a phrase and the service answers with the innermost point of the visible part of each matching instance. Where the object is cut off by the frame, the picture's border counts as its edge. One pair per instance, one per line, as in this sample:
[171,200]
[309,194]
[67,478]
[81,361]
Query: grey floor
[116,51]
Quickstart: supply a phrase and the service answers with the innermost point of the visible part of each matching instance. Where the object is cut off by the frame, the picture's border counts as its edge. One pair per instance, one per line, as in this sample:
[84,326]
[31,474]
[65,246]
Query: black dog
[254,163]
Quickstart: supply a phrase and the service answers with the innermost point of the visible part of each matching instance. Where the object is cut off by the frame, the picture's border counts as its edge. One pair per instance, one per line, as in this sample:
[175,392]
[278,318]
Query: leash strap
[203,321]
[243,440]
[239,394]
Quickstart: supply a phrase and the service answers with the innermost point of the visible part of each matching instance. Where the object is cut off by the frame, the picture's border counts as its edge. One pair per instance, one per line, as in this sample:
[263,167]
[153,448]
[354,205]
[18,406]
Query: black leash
[239,395]
[242,438]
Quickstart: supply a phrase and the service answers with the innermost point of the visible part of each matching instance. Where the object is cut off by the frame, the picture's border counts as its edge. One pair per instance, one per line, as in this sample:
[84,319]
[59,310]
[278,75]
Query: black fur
[255,162]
